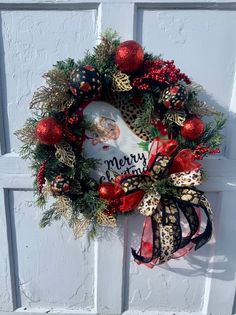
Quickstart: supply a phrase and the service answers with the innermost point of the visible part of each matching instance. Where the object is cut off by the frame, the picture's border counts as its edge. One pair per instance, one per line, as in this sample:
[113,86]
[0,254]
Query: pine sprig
[212,136]
[89,204]
[66,66]
[144,120]
[162,186]
[49,216]
[102,57]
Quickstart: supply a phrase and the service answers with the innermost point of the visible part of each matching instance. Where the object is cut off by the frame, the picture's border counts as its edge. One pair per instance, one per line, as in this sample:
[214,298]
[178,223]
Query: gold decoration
[107,45]
[62,206]
[55,96]
[80,226]
[46,190]
[27,135]
[177,117]
[149,203]
[106,219]
[121,82]
[200,108]
[187,178]
[65,154]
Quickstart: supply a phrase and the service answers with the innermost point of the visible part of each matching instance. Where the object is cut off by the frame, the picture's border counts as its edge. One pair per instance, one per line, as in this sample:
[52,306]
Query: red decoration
[184,161]
[202,151]
[72,126]
[49,131]
[60,185]
[130,202]
[161,72]
[175,96]
[129,56]
[163,147]
[41,176]
[118,201]
[193,128]
[110,191]
[158,124]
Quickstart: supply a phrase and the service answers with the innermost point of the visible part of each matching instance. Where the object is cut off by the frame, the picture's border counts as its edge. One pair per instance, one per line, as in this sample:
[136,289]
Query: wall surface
[47,270]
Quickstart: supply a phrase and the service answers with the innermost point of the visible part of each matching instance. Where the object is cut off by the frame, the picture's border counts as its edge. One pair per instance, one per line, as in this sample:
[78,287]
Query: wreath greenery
[166,116]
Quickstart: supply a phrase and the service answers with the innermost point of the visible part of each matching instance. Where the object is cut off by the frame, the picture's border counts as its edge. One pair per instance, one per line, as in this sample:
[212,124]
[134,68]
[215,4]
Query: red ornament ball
[49,131]
[193,128]
[129,56]
[175,96]
[110,191]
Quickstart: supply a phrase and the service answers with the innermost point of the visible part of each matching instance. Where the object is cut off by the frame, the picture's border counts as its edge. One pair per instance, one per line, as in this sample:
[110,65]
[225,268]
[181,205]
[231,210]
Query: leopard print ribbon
[165,212]
[166,227]
[193,222]
[196,198]
[186,179]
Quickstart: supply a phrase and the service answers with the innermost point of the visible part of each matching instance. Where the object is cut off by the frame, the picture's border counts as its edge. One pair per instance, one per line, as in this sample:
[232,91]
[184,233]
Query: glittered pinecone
[60,185]
[175,96]
[85,83]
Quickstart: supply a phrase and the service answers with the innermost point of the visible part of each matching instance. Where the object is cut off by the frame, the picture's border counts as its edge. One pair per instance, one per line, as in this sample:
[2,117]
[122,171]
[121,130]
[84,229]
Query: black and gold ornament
[86,83]
[175,96]
[60,185]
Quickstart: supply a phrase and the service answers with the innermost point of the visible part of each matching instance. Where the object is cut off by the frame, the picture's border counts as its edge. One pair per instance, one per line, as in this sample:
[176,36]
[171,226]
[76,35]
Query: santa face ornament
[112,142]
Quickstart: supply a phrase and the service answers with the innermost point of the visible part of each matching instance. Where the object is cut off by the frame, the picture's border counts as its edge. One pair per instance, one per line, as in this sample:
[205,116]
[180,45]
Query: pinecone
[104,49]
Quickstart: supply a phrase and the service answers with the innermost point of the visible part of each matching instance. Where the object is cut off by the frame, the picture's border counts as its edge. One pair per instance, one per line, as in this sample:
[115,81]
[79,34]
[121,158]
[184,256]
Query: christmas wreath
[159,108]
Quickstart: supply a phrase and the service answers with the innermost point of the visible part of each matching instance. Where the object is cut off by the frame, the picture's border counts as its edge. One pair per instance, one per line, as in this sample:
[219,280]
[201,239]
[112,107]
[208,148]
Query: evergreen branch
[47,217]
[144,120]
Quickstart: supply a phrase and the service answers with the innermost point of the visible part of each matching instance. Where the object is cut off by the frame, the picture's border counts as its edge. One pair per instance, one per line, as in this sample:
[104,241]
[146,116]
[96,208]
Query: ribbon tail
[155,218]
[170,231]
[193,222]
[167,233]
[194,197]
[204,237]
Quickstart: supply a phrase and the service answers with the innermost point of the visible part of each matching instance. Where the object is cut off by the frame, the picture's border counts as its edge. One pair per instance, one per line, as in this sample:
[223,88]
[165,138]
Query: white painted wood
[51,36]
[222,264]
[109,272]
[57,274]
[7,279]
[45,273]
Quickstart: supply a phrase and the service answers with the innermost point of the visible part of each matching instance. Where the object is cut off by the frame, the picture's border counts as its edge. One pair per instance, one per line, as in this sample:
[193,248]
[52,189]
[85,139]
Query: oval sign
[113,143]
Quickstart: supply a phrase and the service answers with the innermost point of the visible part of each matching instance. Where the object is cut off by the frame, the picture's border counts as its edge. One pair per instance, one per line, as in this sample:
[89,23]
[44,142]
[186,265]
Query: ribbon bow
[182,172]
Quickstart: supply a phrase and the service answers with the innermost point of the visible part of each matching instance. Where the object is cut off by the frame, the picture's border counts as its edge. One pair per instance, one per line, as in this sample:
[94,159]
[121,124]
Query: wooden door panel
[47,270]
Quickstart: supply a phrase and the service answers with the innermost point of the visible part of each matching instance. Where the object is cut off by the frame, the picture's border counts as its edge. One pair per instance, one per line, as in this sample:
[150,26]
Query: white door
[47,270]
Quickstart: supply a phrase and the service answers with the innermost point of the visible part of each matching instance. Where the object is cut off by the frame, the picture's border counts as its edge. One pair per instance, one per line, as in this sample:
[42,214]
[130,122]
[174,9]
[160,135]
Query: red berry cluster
[113,206]
[41,176]
[73,120]
[201,151]
[163,72]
